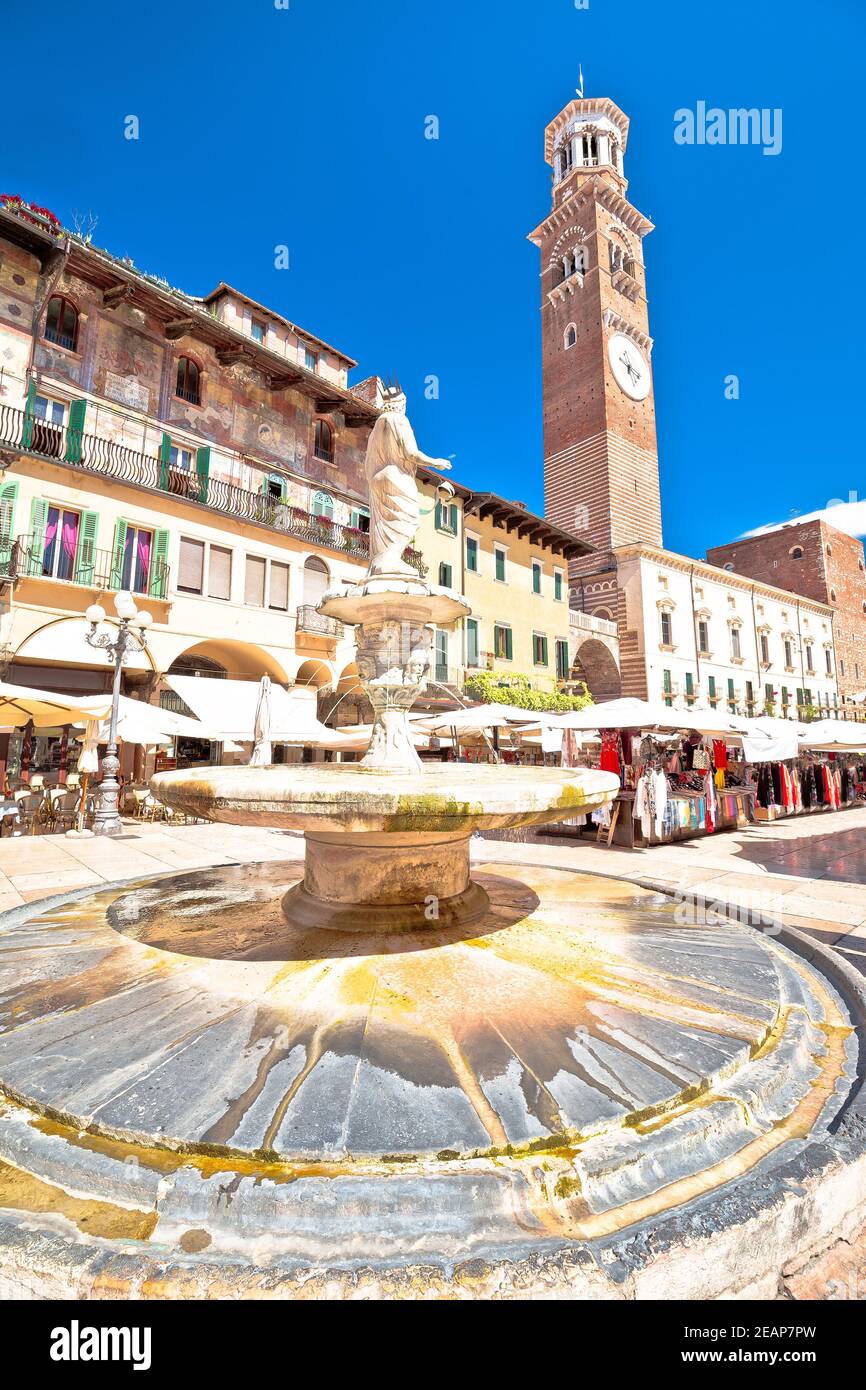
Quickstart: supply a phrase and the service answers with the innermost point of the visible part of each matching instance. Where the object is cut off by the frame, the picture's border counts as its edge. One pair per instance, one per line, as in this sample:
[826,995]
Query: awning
[19,704]
[227,710]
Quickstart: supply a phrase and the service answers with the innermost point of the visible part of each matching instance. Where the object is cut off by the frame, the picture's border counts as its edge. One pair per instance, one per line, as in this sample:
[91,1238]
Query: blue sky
[261,126]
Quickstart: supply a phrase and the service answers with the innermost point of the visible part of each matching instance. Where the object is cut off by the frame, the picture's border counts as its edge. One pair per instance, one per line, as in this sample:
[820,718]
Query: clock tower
[600,458]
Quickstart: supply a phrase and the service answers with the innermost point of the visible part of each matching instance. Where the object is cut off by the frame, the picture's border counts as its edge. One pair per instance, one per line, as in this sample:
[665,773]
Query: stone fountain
[384,1072]
[387,839]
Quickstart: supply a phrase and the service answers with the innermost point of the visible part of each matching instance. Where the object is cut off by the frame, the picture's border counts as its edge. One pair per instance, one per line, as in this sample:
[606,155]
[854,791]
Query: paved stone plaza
[807,874]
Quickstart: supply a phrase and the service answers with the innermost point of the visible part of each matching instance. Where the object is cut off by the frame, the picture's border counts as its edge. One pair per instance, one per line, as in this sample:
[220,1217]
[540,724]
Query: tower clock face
[629,366]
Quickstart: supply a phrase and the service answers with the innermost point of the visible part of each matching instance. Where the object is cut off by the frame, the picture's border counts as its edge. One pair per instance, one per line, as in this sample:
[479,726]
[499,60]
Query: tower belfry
[600,455]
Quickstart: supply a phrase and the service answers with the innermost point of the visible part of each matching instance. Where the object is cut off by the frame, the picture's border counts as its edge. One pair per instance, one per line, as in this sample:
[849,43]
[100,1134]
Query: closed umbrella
[262,754]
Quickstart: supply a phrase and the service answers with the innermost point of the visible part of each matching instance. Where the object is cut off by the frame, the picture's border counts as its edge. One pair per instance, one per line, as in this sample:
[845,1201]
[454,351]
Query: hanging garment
[609,761]
[720,777]
[660,794]
[720,753]
[644,807]
[710,795]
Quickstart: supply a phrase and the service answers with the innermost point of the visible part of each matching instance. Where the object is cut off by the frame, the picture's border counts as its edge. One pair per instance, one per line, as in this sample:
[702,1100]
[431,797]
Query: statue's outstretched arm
[425,461]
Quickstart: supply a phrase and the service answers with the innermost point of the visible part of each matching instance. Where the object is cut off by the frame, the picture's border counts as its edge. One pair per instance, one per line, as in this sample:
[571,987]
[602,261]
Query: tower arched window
[188,384]
[61,322]
[590,149]
[614,153]
[323,443]
[796,552]
[323,505]
[566,159]
[570,336]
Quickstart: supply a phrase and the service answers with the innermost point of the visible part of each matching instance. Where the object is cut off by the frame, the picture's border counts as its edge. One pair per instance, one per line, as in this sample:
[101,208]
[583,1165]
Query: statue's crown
[393,395]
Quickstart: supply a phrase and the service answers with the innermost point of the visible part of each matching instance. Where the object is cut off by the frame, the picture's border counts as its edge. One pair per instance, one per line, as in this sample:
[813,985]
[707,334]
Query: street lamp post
[106,820]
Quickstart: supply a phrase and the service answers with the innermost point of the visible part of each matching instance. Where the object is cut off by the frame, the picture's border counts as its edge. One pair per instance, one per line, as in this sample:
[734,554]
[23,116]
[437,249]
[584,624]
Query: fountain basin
[388,850]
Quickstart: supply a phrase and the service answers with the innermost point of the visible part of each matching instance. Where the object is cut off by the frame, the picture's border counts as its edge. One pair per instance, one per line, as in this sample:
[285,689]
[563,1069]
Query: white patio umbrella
[262,754]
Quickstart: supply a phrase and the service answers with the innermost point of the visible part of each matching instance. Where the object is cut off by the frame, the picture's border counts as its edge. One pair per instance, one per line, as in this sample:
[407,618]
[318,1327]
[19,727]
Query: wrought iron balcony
[32,558]
[21,433]
[309,619]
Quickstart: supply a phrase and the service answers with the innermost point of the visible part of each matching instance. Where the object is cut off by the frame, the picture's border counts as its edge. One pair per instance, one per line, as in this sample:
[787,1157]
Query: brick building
[685,631]
[821,562]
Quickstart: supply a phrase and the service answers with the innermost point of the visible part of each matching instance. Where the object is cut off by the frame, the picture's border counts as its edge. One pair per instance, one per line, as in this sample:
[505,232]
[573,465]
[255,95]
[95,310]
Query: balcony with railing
[31,558]
[309,620]
[23,433]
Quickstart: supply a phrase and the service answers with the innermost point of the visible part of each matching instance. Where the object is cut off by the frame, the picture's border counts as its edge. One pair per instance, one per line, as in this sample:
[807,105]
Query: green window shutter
[85,555]
[75,431]
[452,511]
[690,686]
[27,434]
[544,651]
[500,564]
[164,460]
[8,495]
[439,521]
[158,587]
[202,468]
[36,543]
[711,681]
[666,680]
[557,586]
[509,648]
[117,552]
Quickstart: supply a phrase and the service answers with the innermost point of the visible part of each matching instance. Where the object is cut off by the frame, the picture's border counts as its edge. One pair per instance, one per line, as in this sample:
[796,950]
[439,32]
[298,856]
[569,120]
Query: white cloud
[847,516]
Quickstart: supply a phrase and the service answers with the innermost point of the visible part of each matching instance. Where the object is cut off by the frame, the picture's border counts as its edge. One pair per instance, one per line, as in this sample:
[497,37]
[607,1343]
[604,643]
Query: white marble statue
[392,458]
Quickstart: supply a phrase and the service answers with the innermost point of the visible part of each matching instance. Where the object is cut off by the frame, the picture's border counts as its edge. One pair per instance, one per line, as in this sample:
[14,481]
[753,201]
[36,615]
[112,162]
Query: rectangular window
[769,695]
[667,686]
[562,663]
[311,360]
[829,660]
[809,666]
[446,517]
[190,569]
[360,519]
[765,649]
[500,563]
[45,436]
[789,655]
[254,582]
[137,555]
[471,641]
[690,686]
[445,576]
[735,643]
[711,688]
[441,655]
[258,330]
[667,630]
[502,645]
[472,554]
[557,585]
[703,635]
[180,458]
[278,595]
[750,697]
[732,697]
[785,697]
[536,577]
[219,574]
[539,649]
[61,543]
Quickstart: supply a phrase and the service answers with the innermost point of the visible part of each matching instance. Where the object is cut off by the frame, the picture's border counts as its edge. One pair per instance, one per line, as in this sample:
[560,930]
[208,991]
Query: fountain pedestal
[393,614]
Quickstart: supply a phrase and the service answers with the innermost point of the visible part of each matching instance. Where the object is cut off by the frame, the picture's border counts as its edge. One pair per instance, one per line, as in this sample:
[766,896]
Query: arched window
[188,385]
[323,444]
[796,552]
[316,580]
[323,505]
[61,323]
[570,336]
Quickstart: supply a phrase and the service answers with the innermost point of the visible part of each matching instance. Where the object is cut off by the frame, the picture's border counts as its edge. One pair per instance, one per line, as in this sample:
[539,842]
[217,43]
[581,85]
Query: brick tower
[600,457]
